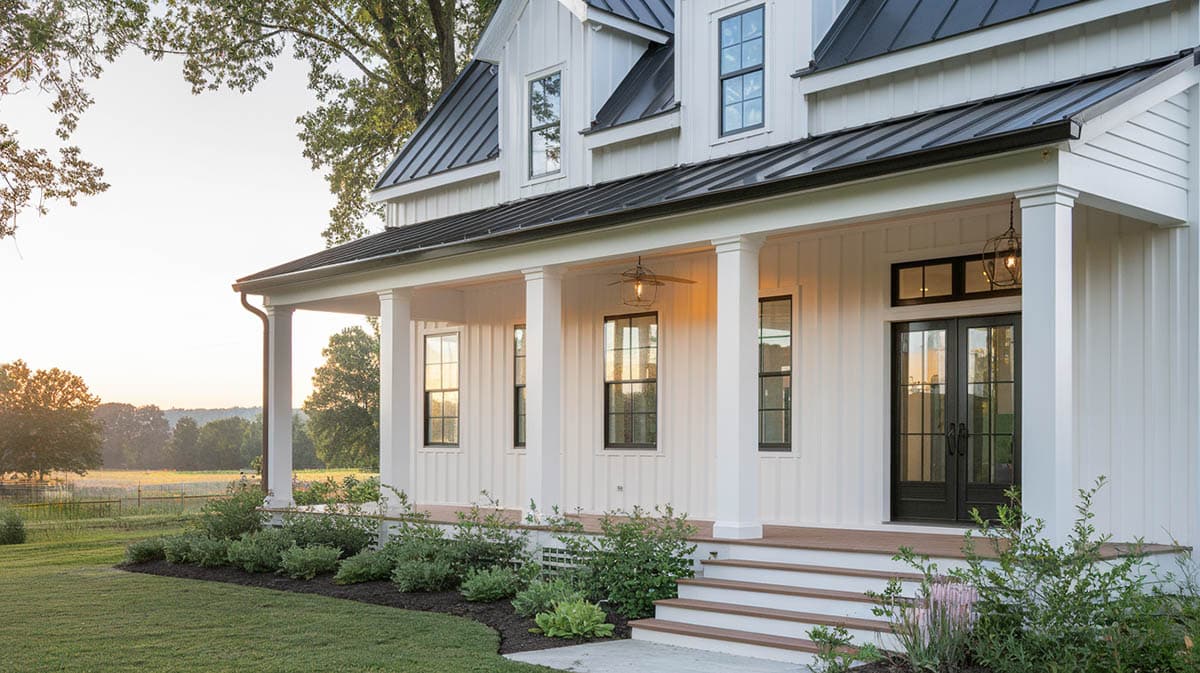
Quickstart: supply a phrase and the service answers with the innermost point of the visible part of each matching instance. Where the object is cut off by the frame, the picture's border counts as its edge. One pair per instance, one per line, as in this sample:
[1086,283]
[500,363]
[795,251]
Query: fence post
[139,497]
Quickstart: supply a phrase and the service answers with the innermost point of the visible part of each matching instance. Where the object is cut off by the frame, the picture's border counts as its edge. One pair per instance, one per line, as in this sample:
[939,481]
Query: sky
[131,288]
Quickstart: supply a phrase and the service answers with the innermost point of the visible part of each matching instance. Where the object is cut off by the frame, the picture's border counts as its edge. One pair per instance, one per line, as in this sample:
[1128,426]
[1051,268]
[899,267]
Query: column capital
[542,272]
[739,243]
[395,293]
[1058,195]
[279,310]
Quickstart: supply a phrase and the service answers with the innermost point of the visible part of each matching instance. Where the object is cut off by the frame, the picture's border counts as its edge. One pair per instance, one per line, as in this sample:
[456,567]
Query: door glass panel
[921,396]
[991,404]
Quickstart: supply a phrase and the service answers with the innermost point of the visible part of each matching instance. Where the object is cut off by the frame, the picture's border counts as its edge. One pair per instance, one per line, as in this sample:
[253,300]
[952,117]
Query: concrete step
[796,574]
[821,556]
[779,597]
[729,641]
[770,621]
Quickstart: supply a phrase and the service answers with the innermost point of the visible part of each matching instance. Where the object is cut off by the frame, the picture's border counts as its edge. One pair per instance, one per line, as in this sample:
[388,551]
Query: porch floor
[935,545]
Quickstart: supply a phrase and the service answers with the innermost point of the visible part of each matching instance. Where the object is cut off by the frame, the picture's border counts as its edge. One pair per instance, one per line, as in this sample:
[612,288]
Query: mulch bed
[513,629]
[900,667]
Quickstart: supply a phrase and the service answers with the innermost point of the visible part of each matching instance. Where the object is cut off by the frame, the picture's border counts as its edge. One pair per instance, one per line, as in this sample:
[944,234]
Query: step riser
[823,557]
[767,625]
[723,646]
[822,606]
[794,578]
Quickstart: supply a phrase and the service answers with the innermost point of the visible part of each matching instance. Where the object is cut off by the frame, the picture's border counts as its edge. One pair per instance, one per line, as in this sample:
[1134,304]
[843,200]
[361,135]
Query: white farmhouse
[825,274]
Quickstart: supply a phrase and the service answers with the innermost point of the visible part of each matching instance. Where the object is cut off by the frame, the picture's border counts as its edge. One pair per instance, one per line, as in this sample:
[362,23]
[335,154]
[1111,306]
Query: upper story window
[742,42]
[545,125]
[631,381]
[934,281]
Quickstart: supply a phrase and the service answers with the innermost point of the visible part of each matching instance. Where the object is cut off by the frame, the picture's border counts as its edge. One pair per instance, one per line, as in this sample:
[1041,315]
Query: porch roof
[1029,118]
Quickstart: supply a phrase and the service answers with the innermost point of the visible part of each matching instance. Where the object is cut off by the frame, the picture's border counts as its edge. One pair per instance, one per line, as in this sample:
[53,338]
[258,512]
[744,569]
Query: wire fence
[60,502]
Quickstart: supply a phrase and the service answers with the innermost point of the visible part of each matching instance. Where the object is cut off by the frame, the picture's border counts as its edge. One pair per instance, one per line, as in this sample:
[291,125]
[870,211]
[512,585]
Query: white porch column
[395,391]
[1047,371]
[737,391]
[279,415]
[543,387]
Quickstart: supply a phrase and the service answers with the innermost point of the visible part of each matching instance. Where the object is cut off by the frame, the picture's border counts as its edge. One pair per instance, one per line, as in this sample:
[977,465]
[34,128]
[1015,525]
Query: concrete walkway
[636,656]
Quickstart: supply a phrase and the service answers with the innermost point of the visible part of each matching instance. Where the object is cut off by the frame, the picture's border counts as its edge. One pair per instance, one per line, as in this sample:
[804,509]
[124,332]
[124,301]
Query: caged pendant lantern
[639,285]
[1002,255]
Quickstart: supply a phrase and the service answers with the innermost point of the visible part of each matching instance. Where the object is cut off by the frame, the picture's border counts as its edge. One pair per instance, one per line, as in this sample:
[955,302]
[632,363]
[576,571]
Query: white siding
[645,154]
[610,56]
[451,200]
[1134,37]
[1153,144]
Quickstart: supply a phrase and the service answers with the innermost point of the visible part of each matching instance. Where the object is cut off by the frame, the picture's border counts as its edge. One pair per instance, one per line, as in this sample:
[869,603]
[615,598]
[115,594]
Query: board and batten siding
[641,155]
[1153,144]
[1134,37]
[445,201]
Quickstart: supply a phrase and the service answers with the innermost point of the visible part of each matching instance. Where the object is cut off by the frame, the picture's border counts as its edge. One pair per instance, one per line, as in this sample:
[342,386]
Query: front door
[955,416]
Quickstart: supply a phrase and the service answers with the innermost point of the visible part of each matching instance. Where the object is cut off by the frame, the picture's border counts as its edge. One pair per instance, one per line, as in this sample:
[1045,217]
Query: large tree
[376,67]
[46,422]
[185,444]
[136,437]
[304,453]
[220,444]
[343,409]
[53,48]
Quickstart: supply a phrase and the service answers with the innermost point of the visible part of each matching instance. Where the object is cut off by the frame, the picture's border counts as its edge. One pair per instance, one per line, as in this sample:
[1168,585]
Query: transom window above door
[940,280]
[742,52]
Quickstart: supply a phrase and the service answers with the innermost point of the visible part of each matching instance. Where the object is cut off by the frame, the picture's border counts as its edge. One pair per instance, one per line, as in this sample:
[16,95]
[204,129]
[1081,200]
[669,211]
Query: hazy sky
[131,288]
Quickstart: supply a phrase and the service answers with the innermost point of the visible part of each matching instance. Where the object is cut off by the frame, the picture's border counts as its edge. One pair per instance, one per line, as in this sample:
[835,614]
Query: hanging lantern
[639,285]
[1002,256]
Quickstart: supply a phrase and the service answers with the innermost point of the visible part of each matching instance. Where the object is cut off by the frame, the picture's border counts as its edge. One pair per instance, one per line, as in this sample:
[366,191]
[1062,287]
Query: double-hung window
[741,70]
[441,389]
[631,381]
[545,125]
[775,373]
[519,403]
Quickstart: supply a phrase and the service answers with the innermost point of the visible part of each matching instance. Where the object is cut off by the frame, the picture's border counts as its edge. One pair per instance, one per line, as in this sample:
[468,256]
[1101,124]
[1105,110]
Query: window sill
[741,135]
[542,179]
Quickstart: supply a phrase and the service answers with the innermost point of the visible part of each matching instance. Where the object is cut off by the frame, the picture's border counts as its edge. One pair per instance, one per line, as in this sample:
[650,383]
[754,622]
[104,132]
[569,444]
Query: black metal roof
[463,128]
[657,14]
[868,28]
[1027,118]
[647,90]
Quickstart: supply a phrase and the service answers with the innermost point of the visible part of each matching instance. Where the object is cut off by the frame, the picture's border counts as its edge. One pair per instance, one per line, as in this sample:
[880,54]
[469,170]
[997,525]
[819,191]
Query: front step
[795,574]
[779,597]
[729,641]
[786,623]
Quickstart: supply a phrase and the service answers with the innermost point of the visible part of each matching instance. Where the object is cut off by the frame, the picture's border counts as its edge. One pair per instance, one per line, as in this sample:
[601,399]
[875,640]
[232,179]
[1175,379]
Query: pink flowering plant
[933,625]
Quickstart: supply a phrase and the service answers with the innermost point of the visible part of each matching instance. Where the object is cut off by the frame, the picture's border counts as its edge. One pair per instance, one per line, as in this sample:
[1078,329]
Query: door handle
[962,439]
[951,439]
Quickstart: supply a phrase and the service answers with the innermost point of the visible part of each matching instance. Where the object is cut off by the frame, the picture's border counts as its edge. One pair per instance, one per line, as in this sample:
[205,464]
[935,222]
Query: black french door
[956,426]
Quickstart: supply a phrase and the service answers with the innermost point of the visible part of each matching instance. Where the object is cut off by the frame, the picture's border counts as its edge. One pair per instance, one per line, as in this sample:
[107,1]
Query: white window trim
[793,291]
[462,443]
[713,68]
[616,309]
[528,180]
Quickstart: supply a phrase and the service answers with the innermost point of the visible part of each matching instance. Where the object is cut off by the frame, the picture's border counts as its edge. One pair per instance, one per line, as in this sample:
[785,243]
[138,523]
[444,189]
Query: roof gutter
[266,380]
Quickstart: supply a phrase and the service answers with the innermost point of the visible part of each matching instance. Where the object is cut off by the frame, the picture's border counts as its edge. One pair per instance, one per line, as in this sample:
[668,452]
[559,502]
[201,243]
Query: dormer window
[741,64]
[545,125]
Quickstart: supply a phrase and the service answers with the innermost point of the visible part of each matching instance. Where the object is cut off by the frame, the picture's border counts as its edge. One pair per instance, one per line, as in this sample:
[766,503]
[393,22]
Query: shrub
[145,551]
[435,574]
[178,548]
[493,584]
[233,516]
[260,552]
[348,533]
[836,652]
[209,552]
[365,566]
[12,526]
[488,540]
[542,596]
[574,619]
[934,629]
[305,563]
[350,490]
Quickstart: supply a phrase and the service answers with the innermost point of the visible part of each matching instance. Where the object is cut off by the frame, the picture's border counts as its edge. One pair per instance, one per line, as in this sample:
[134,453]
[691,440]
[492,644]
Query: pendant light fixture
[1002,255]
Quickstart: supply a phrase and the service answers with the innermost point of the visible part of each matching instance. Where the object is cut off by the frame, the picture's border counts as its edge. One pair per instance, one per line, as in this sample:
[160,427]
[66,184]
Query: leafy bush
[209,552]
[145,551]
[493,584]
[434,574]
[635,560]
[350,490]
[305,563]
[348,532]
[365,566]
[233,516]
[412,524]
[488,540]
[260,552]
[574,619]
[12,526]
[934,630]
[542,596]
[836,652]
[178,548]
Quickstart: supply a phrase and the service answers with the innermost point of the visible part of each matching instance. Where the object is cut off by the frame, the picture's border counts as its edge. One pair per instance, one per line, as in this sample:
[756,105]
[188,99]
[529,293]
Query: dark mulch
[513,629]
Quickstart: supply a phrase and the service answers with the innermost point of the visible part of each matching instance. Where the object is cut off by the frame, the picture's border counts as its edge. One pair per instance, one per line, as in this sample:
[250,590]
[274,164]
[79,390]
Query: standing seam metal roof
[869,28]
[1028,118]
[647,90]
[657,14]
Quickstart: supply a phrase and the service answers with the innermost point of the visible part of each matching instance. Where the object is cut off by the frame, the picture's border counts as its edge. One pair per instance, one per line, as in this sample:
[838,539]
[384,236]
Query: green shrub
[305,563]
[933,628]
[233,516]
[348,533]
[12,526]
[350,490]
[836,652]
[365,566]
[209,552]
[178,548]
[425,575]
[260,552]
[542,596]
[488,540]
[493,584]
[145,551]
[574,619]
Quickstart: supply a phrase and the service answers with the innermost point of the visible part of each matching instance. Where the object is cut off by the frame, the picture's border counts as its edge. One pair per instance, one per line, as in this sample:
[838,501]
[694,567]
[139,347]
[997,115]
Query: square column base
[728,530]
[273,502]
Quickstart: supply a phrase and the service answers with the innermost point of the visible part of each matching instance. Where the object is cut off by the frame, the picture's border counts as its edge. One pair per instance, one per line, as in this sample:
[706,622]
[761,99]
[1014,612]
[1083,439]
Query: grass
[66,609]
[131,478]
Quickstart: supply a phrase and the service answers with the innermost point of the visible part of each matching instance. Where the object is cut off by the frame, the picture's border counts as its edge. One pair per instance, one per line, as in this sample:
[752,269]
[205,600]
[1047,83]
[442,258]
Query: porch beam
[737,394]
[279,415]
[1047,352]
[543,388]
[395,390]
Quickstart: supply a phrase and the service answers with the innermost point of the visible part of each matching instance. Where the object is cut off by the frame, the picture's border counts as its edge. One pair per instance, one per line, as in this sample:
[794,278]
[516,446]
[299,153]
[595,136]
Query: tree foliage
[343,409]
[220,444]
[375,67]
[185,444]
[133,436]
[46,422]
[53,48]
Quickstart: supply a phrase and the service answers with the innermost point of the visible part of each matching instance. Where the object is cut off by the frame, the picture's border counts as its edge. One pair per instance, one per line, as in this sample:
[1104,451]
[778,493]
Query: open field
[67,609]
[128,478]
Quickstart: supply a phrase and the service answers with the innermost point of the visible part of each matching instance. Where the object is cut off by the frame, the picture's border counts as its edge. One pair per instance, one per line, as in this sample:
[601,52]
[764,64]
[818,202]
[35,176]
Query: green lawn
[66,609]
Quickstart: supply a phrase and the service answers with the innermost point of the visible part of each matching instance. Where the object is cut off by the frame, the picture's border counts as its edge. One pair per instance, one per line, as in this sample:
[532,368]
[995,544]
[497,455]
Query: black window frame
[426,393]
[531,129]
[790,373]
[519,387]
[721,77]
[958,282]
[608,444]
